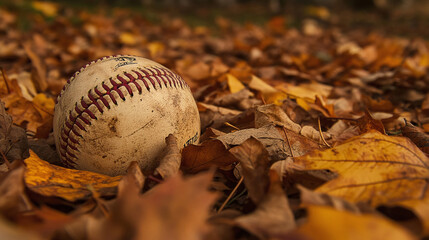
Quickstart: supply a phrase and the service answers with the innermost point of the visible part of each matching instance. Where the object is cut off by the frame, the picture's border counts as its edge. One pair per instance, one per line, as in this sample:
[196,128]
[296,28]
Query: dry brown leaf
[170,163]
[417,135]
[309,197]
[30,115]
[175,209]
[132,181]
[210,153]
[254,167]
[243,99]
[367,123]
[271,113]
[12,189]
[273,217]
[328,223]
[342,131]
[39,72]
[268,135]
[10,231]
[313,134]
[72,185]
[13,140]
[198,71]
[214,116]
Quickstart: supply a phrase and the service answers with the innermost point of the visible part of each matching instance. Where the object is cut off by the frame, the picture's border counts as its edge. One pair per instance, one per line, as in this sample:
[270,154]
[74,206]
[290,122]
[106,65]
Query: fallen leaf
[313,134]
[214,116]
[268,135]
[72,185]
[271,113]
[328,223]
[376,169]
[210,153]
[40,69]
[417,136]
[10,231]
[234,84]
[273,217]
[254,167]
[49,9]
[170,163]
[307,91]
[243,99]
[12,189]
[309,198]
[128,38]
[175,209]
[367,123]
[13,139]
[132,181]
[198,71]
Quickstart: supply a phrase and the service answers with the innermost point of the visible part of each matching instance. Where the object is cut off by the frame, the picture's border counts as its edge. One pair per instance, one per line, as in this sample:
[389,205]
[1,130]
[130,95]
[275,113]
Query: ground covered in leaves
[307,133]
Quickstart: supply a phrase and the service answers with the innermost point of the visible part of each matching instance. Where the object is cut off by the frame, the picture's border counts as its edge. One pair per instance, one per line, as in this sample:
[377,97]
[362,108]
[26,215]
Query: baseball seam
[81,70]
[100,98]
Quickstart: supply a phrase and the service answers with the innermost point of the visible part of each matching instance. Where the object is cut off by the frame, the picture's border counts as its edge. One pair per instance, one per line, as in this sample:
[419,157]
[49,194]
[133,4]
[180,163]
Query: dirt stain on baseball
[112,124]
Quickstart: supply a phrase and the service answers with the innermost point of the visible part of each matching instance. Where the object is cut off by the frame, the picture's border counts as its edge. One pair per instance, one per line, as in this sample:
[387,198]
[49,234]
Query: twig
[321,134]
[230,195]
[230,125]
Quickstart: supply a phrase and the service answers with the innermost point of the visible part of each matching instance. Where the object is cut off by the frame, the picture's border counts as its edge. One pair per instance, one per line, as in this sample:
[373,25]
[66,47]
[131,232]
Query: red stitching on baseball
[76,120]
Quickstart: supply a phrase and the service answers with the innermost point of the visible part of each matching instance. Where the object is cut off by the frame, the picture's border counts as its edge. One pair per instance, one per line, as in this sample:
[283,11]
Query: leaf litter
[327,129]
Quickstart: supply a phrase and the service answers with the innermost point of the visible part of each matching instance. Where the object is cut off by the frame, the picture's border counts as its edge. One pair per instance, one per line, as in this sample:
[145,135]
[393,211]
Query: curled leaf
[72,185]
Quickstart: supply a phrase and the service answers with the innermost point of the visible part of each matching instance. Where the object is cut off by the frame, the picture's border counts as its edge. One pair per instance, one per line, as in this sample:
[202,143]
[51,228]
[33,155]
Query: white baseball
[120,109]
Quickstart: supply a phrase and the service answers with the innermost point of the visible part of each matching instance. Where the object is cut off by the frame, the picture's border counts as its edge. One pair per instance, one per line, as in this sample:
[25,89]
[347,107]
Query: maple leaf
[376,169]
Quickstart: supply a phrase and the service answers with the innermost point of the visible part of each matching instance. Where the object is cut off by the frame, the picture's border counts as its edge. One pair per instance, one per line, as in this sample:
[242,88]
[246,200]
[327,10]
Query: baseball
[120,109]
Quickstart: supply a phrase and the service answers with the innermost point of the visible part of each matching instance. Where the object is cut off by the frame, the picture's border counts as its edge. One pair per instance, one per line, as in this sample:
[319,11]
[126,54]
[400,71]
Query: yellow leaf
[234,84]
[261,86]
[44,105]
[307,91]
[155,48]
[376,169]
[303,103]
[127,38]
[269,93]
[328,223]
[49,9]
[54,181]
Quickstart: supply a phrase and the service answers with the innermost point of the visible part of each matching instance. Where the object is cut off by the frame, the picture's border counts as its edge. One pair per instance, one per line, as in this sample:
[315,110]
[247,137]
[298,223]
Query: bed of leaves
[307,133]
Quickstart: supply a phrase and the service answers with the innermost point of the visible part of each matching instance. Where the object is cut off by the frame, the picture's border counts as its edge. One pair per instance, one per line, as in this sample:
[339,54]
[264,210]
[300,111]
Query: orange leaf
[72,185]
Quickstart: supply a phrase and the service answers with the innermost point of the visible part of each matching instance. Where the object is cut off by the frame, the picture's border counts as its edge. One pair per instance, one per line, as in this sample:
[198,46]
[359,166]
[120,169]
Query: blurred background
[407,18]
